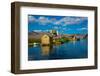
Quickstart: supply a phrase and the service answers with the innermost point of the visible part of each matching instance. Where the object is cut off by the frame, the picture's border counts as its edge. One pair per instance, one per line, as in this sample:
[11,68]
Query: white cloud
[37,30]
[64,28]
[46,30]
[82,28]
[57,22]
[41,30]
[56,27]
[31,18]
[43,20]
[70,20]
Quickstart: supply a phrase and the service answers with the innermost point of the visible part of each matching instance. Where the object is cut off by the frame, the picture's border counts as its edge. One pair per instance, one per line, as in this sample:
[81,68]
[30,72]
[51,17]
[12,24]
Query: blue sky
[63,24]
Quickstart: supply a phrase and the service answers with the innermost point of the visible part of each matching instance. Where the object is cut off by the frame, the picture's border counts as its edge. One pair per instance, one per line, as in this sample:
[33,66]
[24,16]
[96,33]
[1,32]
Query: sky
[63,24]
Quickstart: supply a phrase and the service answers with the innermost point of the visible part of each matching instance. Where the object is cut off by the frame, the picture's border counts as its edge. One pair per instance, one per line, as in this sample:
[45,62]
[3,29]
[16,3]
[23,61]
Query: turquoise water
[69,50]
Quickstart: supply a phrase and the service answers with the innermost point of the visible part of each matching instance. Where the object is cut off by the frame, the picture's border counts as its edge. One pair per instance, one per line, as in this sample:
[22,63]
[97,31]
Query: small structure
[74,37]
[45,40]
[54,32]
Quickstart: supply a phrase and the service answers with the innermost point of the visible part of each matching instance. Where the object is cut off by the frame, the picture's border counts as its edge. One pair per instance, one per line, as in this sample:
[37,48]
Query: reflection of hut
[45,50]
[45,40]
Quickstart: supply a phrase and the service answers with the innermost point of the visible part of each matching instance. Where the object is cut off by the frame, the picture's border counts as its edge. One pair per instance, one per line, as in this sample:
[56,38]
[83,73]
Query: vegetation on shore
[54,41]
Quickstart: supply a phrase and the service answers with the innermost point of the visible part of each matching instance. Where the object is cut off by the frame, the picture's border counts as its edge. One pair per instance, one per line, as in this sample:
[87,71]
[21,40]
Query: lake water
[69,50]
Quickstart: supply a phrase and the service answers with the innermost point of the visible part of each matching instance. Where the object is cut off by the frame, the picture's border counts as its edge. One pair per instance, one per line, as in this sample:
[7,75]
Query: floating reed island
[52,38]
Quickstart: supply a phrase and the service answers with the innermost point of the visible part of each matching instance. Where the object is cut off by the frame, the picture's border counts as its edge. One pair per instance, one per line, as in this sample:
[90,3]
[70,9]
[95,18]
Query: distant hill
[38,35]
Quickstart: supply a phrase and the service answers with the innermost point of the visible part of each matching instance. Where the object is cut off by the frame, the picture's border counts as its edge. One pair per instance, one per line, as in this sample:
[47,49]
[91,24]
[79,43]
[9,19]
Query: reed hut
[46,40]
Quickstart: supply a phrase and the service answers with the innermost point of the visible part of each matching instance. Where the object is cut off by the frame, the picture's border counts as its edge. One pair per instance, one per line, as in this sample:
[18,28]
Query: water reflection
[45,50]
[70,50]
[74,42]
